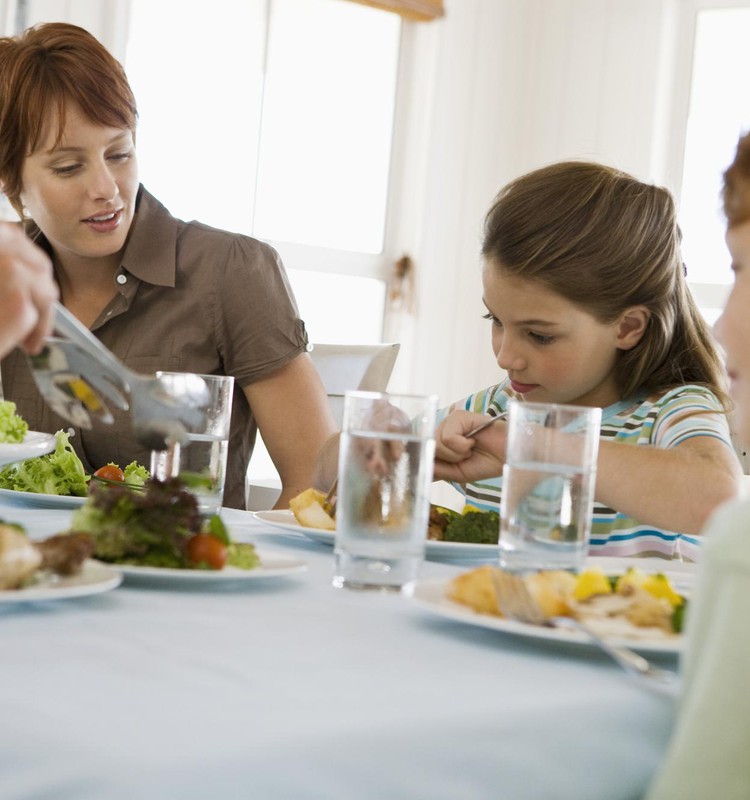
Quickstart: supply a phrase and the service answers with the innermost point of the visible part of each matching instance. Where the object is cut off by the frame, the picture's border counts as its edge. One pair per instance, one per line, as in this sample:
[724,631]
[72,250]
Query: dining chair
[342,367]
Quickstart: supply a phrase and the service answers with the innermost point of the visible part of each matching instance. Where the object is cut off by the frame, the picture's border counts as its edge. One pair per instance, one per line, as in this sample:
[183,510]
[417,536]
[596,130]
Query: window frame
[706,295]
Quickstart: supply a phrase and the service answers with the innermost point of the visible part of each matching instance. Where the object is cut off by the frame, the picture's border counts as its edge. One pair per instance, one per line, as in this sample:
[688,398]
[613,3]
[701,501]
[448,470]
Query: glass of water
[548,486]
[386,460]
[201,462]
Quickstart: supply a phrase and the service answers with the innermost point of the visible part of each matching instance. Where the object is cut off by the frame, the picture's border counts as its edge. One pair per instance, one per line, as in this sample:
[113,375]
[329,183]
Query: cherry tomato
[204,549]
[110,472]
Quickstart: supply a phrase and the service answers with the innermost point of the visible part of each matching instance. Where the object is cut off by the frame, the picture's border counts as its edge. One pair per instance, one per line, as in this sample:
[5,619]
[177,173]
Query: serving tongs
[77,376]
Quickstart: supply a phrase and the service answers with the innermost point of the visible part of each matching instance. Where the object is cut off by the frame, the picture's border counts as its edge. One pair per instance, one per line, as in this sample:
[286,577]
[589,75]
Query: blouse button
[121,279]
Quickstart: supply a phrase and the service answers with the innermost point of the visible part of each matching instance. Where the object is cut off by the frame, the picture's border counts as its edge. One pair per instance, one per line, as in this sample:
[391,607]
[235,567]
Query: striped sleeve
[688,412]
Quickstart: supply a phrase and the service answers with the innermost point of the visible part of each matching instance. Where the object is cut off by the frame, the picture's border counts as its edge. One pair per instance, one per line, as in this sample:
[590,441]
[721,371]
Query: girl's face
[733,327]
[81,192]
[552,350]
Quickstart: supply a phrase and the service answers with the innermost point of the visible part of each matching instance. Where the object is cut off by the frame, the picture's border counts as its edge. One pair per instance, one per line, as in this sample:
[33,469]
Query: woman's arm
[292,411]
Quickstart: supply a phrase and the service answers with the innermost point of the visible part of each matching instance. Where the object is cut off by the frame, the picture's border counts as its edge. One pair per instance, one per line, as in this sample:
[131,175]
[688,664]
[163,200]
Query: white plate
[272,566]
[42,500]
[94,578]
[34,444]
[430,595]
[285,520]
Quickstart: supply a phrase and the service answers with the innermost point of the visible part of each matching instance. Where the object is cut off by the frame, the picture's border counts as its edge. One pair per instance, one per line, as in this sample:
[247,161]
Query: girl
[589,305]
[162,294]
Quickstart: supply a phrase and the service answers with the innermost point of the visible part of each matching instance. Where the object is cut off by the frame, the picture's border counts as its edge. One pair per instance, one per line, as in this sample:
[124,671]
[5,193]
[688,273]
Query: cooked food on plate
[445,525]
[470,526]
[308,510]
[635,597]
[23,562]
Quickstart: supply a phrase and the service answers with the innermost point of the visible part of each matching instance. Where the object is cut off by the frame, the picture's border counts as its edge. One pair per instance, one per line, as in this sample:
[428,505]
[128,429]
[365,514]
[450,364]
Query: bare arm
[27,292]
[291,408]
[674,489]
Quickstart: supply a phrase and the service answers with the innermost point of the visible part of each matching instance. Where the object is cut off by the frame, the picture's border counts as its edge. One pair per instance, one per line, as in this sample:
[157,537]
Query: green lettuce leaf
[59,472]
[12,427]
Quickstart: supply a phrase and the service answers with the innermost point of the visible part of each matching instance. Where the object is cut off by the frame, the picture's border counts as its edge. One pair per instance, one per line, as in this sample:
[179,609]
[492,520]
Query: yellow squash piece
[591,582]
[659,586]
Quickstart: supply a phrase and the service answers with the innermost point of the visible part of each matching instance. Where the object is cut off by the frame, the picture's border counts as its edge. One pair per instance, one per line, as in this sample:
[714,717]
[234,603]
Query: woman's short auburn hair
[44,71]
[736,193]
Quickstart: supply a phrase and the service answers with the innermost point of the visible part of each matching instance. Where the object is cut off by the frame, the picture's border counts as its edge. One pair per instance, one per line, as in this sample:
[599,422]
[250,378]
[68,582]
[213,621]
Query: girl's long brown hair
[606,241]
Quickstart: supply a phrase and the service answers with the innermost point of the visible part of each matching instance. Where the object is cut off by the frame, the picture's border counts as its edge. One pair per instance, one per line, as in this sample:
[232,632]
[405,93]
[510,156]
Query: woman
[162,294]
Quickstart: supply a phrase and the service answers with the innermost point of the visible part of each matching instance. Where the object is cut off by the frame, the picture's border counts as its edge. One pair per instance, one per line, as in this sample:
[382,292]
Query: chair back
[342,367]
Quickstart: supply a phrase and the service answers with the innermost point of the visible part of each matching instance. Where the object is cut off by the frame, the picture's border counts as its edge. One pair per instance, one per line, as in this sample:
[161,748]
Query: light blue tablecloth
[289,688]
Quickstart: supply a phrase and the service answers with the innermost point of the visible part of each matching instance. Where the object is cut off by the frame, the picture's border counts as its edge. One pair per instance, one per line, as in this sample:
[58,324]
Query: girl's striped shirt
[657,421]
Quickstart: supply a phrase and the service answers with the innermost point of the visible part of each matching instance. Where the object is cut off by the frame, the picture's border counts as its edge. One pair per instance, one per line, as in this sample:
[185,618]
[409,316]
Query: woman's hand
[462,459]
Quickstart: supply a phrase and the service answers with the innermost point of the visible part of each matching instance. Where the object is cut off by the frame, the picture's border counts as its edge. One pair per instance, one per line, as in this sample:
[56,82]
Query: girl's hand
[463,459]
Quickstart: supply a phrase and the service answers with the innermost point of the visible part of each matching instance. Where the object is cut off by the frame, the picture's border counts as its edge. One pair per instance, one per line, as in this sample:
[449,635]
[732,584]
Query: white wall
[496,87]
[516,84]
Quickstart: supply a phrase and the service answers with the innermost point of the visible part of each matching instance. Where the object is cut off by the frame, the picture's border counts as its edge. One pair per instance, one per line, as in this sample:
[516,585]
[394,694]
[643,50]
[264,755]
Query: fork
[76,375]
[486,424]
[516,602]
[329,502]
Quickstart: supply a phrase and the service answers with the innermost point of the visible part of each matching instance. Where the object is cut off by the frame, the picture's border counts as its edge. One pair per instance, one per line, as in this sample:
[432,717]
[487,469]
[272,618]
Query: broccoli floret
[475,527]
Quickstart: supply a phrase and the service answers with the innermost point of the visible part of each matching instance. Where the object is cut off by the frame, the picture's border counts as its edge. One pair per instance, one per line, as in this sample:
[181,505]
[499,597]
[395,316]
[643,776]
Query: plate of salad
[158,534]
[58,479]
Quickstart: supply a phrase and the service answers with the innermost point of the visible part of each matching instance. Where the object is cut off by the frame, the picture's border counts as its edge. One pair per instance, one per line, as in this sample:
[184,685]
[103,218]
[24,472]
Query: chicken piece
[19,557]
[475,589]
[65,553]
[649,611]
[553,591]
[438,522]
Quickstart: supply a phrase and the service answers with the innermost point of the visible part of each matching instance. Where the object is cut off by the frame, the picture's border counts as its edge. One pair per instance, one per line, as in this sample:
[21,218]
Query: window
[253,124]
[719,113]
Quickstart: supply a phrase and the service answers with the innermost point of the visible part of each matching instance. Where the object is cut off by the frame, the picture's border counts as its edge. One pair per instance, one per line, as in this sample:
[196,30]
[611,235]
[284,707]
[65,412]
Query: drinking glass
[548,486]
[201,462]
[386,460]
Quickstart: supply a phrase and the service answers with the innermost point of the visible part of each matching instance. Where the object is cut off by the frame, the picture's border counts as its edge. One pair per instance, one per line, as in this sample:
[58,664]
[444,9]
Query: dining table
[286,687]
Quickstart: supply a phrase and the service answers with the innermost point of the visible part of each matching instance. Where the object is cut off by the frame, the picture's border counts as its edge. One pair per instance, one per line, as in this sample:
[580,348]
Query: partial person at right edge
[708,753]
